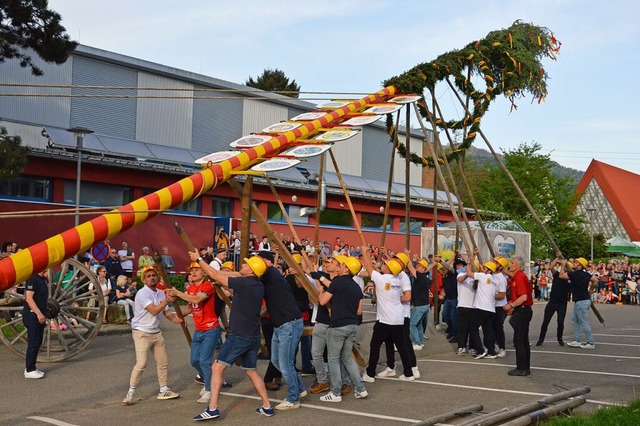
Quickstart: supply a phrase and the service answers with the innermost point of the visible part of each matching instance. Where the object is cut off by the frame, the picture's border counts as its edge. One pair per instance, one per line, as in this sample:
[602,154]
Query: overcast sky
[353,45]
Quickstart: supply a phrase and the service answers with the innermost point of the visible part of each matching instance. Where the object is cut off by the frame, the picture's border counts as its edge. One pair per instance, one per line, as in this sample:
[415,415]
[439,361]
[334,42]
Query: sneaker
[539,343]
[574,344]
[560,342]
[360,395]
[387,372]
[304,393]
[462,351]
[482,355]
[319,387]
[406,378]
[268,411]
[286,405]
[168,394]
[35,374]
[588,346]
[204,399]
[416,373]
[202,391]
[198,379]
[472,352]
[417,347]
[272,386]
[491,356]
[227,385]
[307,373]
[367,378]
[345,389]
[128,400]
[329,397]
[521,373]
[453,339]
[207,414]
[502,353]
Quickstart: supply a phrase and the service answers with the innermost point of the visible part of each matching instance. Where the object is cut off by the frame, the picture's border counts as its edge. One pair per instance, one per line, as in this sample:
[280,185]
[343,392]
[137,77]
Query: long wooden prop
[187,242]
[157,259]
[56,249]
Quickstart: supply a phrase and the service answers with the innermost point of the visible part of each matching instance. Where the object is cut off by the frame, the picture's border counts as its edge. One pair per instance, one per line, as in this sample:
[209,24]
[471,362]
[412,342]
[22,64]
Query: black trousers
[35,331]
[482,319]
[498,326]
[520,319]
[392,335]
[549,310]
[464,326]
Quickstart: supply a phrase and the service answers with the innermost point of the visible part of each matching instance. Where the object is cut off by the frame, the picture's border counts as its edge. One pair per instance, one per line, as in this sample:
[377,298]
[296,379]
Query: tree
[275,81]
[13,156]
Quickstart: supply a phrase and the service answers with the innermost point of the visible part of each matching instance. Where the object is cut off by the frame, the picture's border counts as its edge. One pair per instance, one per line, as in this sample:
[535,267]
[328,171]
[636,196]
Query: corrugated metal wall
[376,154]
[415,173]
[348,155]
[257,115]
[216,122]
[165,121]
[47,111]
[109,116]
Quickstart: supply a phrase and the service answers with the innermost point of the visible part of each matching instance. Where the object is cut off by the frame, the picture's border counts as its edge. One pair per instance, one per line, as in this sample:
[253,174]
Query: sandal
[104,321]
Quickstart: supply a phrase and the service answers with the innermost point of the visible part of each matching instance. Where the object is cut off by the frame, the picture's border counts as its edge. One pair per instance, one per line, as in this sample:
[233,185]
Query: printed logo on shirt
[387,286]
[488,280]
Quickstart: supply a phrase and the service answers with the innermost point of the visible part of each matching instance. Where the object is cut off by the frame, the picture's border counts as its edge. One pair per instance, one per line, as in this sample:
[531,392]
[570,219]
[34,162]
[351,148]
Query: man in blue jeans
[579,281]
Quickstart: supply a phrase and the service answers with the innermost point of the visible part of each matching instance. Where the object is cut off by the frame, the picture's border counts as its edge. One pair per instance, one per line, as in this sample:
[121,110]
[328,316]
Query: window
[374,221]
[29,187]
[335,217]
[221,207]
[274,213]
[188,207]
[414,226]
[97,194]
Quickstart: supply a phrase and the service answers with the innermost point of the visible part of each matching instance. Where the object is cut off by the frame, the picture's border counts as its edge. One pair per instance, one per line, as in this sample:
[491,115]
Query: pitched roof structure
[608,199]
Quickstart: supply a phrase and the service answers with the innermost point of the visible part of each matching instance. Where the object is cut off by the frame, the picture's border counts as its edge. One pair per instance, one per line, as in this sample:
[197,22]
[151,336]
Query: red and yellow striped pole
[55,250]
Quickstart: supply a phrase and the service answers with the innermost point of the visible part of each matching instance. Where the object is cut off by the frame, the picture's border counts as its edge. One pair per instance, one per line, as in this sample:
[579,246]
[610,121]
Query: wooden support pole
[547,412]
[245,225]
[284,252]
[407,179]
[321,193]
[443,418]
[387,204]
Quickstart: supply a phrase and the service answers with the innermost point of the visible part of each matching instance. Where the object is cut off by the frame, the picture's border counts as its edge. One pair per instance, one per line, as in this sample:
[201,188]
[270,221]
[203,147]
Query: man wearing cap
[558,299]
[147,335]
[484,306]
[345,297]
[287,330]
[519,307]
[580,281]
[201,296]
[244,330]
[498,320]
[389,316]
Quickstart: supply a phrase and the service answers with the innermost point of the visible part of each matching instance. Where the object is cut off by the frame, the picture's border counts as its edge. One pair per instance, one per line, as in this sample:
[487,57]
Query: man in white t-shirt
[466,297]
[498,320]
[127,257]
[147,335]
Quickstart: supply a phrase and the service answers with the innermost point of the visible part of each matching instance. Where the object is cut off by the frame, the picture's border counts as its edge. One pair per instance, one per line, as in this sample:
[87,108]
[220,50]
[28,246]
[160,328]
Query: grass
[628,415]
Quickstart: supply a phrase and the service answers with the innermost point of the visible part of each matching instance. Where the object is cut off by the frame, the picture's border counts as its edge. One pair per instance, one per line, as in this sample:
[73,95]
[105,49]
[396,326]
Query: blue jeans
[580,320]
[283,355]
[339,345]
[450,316]
[203,344]
[415,326]
[318,342]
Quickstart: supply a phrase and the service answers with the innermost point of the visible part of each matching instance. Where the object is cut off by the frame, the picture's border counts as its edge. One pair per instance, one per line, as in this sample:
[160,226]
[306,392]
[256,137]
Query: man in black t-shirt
[450,305]
[345,297]
[33,317]
[579,281]
[558,299]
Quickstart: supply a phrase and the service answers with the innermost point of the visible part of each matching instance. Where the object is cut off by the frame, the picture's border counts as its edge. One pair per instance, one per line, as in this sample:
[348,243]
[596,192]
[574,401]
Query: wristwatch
[198,259]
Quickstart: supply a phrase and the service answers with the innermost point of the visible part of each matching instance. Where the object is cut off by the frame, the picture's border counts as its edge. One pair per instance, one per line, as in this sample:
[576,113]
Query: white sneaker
[588,346]
[482,355]
[416,373]
[441,326]
[168,394]
[128,400]
[387,372]
[202,391]
[304,393]
[462,351]
[574,344]
[366,378]
[360,395]
[204,398]
[35,374]
[406,379]
[472,352]
[286,405]
[417,347]
[502,353]
[330,397]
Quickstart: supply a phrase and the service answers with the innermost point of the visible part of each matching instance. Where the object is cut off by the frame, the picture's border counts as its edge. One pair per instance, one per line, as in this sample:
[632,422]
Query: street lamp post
[79,133]
[591,211]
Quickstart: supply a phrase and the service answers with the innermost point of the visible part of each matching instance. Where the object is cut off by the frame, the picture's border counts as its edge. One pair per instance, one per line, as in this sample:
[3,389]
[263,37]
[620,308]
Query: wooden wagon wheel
[76,308]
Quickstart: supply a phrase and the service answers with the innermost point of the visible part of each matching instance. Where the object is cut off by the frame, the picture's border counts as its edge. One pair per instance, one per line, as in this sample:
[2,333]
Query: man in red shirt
[201,296]
[519,307]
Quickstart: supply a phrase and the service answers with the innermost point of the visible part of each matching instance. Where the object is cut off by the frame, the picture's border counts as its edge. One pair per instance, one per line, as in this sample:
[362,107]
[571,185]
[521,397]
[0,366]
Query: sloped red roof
[620,188]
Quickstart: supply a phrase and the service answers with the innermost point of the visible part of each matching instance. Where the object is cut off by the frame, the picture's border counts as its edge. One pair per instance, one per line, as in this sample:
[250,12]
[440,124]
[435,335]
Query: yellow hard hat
[148,268]
[504,262]
[353,264]
[584,262]
[228,265]
[491,266]
[394,266]
[403,258]
[340,258]
[297,257]
[194,265]
[424,263]
[257,265]
[476,264]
